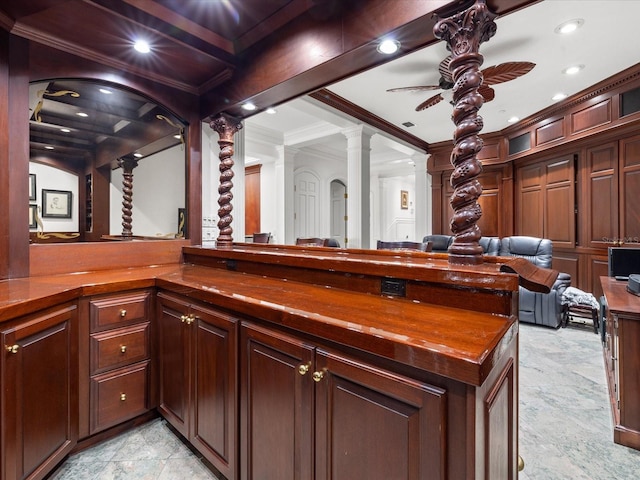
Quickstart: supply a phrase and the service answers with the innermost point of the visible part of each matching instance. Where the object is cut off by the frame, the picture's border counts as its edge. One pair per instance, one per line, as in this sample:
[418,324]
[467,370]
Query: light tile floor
[566,429]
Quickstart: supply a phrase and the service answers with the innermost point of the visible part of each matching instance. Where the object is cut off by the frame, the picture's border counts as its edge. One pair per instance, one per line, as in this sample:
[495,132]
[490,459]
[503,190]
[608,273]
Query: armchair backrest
[262,237]
[316,242]
[439,243]
[490,245]
[423,247]
[538,251]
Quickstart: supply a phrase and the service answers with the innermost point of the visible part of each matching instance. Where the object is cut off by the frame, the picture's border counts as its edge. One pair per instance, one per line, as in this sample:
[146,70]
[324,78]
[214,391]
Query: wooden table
[622,360]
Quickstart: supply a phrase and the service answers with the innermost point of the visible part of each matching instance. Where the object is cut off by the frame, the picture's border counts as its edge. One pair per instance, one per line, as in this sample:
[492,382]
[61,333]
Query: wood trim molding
[339,103]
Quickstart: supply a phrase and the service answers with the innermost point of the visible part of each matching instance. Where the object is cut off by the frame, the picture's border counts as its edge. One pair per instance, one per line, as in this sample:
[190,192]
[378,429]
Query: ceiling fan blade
[487,92]
[443,68]
[430,102]
[506,72]
[421,88]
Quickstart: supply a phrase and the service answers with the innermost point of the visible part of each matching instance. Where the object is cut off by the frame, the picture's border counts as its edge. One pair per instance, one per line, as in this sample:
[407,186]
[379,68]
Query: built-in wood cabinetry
[40,391]
[119,357]
[197,357]
[622,361]
[333,416]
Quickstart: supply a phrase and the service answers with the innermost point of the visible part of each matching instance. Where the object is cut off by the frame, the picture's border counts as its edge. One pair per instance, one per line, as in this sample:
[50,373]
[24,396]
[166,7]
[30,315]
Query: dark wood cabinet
[622,362]
[333,416]
[40,392]
[197,357]
[119,358]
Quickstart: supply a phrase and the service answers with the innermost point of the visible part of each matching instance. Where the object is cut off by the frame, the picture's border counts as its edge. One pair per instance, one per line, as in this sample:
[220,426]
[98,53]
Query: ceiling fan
[501,73]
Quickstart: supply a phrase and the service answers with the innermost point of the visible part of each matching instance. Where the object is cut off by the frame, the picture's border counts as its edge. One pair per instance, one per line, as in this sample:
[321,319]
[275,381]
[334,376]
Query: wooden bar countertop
[452,342]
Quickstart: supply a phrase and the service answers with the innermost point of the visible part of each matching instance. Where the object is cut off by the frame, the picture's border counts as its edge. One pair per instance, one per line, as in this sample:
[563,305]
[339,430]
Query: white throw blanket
[574,297]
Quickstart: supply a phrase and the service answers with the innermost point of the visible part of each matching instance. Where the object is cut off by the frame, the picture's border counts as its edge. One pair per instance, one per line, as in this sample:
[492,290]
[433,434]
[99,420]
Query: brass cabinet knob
[12,348]
[123,348]
[183,318]
[304,368]
[190,319]
[317,376]
[123,312]
[123,397]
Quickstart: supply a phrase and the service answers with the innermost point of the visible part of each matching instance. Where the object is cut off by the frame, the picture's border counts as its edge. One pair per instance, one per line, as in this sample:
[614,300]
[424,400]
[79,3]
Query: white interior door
[306,221]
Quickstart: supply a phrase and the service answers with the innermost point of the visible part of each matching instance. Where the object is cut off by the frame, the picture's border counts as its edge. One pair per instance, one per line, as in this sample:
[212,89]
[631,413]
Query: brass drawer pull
[123,348]
[12,348]
[123,397]
[304,368]
[317,376]
[123,312]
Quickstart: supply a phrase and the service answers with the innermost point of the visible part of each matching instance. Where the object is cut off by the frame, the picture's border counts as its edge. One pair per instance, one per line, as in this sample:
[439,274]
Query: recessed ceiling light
[513,120]
[177,136]
[559,96]
[388,46]
[270,111]
[106,91]
[82,114]
[249,106]
[142,46]
[137,155]
[65,130]
[569,26]
[572,70]
[49,147]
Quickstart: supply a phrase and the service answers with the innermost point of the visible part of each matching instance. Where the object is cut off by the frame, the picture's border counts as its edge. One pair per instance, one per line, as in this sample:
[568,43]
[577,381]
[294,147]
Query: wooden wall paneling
[14,156]
[437,202]
[529,208]
[598,267]
[252,222]
[567,262]
[491,203]
[559,202]
[599,211]
[549,132]
[507,221]
[592,116]
[629,189]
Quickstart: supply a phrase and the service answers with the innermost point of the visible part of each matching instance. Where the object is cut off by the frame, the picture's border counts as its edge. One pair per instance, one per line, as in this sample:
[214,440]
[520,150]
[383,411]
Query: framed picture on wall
[32,186]
[56,203]
[404,199]
[33,214]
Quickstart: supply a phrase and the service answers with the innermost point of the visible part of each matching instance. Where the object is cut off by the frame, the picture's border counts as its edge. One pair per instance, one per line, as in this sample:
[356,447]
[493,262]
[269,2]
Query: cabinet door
[173,364]
[375,424]
[214,430]
[276,419]
[40,381]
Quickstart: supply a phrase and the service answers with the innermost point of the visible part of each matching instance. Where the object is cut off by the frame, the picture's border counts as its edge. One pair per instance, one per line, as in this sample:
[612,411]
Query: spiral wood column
[464,32]
[226,127]
[127,165]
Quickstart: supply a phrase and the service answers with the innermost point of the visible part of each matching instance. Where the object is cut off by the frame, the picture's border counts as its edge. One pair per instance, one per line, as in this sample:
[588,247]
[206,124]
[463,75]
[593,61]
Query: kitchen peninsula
[248,347]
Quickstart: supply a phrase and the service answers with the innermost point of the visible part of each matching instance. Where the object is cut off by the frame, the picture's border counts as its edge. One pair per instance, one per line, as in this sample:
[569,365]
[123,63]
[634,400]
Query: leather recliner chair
[538,308]
[439,243]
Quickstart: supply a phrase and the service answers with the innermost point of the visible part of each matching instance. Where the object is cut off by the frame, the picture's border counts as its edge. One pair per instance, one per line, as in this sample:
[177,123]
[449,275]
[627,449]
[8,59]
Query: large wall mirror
[105,163]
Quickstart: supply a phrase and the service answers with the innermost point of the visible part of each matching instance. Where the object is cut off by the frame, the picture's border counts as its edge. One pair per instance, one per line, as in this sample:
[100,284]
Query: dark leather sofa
[537,308]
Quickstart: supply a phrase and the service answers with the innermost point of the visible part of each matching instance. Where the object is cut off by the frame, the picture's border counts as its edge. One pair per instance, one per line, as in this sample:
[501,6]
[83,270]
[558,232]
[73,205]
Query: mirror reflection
[105,164]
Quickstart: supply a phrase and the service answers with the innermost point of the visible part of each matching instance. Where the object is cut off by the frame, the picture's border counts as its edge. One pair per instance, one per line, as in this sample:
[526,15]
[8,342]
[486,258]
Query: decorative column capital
[226,126]
[127,164]
[465,31]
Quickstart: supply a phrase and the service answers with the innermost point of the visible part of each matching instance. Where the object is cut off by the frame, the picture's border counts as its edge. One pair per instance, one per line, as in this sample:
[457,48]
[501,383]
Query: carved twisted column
[226,127]
[127,165]
[464,32]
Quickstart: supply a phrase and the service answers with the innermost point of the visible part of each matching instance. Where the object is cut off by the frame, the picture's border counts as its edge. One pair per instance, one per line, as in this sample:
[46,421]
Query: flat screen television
[623,261]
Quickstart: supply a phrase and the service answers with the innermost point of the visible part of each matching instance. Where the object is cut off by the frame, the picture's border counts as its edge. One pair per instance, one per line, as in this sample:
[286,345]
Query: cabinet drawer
[116,348]
[119,395]
[116,310]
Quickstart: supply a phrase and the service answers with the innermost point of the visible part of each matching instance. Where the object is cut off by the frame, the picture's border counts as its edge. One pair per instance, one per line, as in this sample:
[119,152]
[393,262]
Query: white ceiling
[605,45]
